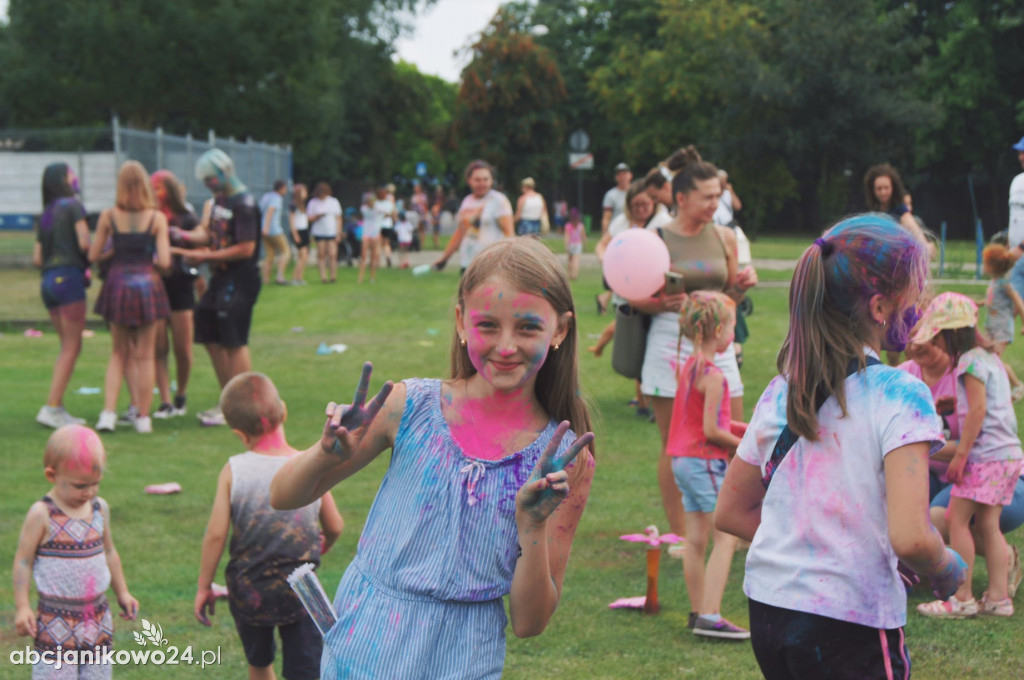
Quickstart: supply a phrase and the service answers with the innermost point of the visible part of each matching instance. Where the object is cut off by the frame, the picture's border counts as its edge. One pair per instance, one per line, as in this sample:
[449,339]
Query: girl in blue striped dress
[484,490]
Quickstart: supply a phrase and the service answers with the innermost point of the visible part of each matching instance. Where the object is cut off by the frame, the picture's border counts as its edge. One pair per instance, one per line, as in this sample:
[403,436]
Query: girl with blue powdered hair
[830,481]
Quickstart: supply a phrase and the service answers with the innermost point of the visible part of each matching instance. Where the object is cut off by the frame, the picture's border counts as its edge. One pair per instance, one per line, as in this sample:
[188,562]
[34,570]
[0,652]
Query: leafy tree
[420,110]
[506,109]
[974,72]
[270,69]
[791,95]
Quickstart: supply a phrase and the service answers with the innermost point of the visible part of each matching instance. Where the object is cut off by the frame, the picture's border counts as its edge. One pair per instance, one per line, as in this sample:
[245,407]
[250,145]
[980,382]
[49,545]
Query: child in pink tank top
[701,440]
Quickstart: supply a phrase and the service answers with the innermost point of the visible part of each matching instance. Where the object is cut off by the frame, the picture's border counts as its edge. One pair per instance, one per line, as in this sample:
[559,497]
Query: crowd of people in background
[849,480]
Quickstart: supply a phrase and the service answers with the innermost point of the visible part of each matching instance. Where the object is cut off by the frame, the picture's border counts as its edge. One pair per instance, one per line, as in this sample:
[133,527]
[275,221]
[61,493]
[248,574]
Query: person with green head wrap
[231,232]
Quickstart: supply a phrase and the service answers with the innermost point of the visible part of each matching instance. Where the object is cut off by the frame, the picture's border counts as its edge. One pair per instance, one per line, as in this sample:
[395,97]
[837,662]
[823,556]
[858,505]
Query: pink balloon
[635,264]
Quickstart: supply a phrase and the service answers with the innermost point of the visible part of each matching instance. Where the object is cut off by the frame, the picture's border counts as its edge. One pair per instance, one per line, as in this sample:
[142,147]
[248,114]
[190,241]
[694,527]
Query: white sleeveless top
[533,206]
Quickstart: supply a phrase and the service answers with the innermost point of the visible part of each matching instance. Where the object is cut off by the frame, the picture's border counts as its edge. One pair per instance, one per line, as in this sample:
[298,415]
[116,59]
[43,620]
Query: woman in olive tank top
[705,255]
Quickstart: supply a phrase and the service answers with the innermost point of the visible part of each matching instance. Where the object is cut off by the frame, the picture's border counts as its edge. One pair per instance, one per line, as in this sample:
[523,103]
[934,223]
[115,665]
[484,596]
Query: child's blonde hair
[829,307]
[703,312]
[530,266]
[74,448]
[997,258]
[251,404]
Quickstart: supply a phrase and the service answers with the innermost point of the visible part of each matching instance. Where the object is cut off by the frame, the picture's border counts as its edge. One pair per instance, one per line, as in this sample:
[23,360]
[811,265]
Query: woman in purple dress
[132,299]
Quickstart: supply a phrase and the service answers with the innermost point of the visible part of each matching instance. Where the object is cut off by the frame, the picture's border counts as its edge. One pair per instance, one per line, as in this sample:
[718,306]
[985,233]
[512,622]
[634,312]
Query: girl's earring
[555,347]
[462,341]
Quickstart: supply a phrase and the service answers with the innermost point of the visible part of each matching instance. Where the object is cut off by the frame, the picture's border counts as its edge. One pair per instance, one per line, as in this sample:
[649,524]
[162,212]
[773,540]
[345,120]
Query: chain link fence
[97,153]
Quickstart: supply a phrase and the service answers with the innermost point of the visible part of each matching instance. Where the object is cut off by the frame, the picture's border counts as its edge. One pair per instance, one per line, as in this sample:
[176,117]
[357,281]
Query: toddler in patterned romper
[66,545]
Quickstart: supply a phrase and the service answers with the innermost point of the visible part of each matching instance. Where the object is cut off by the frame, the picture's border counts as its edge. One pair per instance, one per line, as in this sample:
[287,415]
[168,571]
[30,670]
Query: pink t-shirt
[574,232]
[945,387]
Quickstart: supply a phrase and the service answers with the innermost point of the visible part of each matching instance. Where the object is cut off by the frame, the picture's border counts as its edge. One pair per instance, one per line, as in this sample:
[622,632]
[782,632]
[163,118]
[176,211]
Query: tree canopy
[796,98]
[313,74]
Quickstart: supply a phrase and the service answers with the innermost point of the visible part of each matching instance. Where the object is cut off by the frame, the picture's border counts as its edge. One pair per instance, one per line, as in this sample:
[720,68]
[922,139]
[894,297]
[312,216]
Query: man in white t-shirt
[615,198]
[1015,231]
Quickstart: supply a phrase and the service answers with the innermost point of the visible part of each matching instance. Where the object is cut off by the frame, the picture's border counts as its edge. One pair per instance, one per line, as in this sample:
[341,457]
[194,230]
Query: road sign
[581,161]
[579,141]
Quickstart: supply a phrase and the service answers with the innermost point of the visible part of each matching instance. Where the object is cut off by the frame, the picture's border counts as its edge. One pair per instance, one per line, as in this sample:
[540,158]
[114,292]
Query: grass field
[404,325]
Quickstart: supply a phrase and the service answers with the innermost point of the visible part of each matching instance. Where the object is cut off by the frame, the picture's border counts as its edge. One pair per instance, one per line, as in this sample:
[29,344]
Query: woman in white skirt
[705,255]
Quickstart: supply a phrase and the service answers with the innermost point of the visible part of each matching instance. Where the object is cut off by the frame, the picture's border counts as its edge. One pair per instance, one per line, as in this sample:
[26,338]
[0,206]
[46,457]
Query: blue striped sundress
[423,597]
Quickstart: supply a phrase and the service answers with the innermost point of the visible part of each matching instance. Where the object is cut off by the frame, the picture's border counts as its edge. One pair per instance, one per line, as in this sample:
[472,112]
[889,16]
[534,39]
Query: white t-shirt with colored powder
[495,206]
[823,544]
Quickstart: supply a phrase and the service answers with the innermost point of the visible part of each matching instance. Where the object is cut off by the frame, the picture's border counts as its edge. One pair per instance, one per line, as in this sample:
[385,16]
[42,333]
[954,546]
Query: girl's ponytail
[801,358]
[830,321]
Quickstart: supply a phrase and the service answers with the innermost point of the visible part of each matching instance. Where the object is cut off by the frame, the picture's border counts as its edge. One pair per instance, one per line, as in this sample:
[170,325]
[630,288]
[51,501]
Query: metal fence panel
[97,153]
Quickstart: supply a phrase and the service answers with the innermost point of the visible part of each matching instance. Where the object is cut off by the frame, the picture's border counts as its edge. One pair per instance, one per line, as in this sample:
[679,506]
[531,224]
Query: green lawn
[404,325]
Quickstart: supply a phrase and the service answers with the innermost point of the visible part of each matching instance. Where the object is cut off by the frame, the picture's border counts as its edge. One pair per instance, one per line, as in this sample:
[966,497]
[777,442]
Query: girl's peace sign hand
[346,424]
[549,482]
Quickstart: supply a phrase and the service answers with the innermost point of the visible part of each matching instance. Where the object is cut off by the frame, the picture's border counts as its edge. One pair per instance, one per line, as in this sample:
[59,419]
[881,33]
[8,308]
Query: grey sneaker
[129,416]
[212,418]
[722,628]
[164,412]
[56,416]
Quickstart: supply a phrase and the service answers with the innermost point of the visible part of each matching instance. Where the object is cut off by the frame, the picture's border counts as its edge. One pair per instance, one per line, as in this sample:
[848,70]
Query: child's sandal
[996,607]
[949,609]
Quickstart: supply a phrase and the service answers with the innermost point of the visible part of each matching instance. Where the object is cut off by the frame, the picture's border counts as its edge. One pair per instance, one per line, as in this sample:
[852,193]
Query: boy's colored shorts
[224,313]
[301,647]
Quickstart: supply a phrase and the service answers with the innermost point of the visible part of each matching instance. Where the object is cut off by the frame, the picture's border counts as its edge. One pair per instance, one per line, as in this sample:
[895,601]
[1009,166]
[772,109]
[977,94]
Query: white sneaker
[56,416]
[107,421]
[143,424]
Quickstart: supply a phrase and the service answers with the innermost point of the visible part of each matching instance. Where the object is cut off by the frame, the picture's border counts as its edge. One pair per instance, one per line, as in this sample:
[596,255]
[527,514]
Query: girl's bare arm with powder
[547,516]
[352,437]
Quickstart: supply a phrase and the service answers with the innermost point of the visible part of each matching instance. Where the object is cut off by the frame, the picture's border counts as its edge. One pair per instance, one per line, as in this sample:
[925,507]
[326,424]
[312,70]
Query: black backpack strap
[787,438]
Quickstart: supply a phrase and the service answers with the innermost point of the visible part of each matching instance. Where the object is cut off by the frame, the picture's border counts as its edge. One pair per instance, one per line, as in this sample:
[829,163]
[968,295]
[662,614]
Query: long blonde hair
[531,267]
[134,192]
